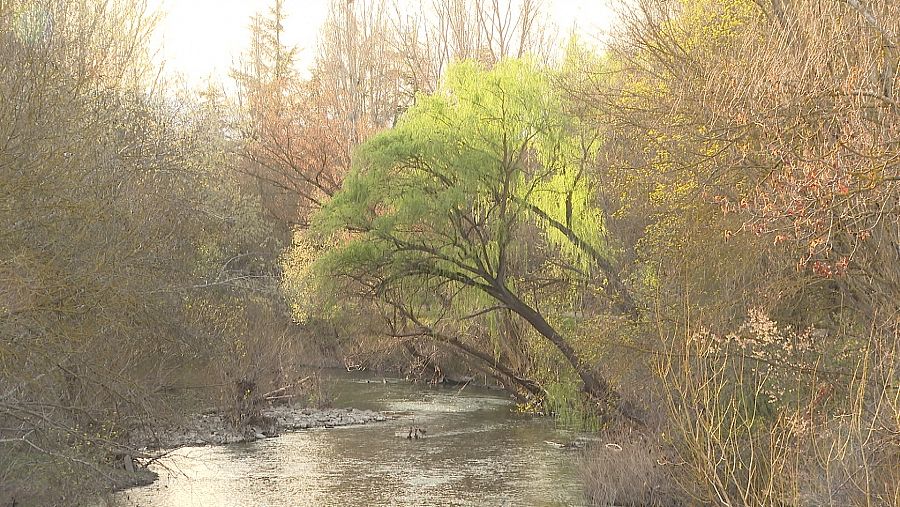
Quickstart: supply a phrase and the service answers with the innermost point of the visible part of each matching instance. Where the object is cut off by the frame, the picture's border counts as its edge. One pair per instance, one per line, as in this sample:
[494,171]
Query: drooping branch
[613,283]
[529,385]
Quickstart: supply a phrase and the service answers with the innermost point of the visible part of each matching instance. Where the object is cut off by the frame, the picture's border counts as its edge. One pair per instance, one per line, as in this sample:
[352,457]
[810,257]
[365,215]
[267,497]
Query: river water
[477,452]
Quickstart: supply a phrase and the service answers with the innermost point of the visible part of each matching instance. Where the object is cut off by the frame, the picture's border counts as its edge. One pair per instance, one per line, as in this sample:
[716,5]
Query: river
[477,452]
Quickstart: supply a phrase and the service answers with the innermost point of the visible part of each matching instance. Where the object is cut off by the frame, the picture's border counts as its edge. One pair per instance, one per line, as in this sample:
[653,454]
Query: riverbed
[475,451]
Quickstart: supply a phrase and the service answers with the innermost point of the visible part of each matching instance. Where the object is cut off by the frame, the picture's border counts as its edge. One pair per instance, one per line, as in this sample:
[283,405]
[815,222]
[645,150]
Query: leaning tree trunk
[595,386]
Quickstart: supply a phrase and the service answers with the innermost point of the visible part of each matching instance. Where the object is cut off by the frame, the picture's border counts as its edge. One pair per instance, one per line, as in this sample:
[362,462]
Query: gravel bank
[214,429]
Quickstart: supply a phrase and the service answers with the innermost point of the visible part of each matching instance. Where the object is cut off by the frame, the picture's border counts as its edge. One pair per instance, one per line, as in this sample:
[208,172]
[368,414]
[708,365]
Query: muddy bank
[215,429]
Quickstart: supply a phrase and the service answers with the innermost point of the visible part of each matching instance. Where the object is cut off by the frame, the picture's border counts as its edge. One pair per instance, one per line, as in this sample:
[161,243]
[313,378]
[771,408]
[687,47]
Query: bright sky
[203,38]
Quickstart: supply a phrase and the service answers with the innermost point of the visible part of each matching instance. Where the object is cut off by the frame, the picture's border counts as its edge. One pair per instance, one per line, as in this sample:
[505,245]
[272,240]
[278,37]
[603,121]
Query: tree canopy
[443,198]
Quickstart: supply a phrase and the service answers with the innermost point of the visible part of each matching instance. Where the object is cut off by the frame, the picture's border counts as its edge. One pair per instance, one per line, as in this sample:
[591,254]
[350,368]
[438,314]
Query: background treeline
[689,239]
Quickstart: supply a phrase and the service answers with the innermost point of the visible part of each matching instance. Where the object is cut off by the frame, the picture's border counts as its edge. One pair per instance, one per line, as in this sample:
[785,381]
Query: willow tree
[476,186]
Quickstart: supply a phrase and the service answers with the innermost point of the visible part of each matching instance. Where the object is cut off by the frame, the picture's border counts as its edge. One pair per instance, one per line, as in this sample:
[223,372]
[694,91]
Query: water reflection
[477,452]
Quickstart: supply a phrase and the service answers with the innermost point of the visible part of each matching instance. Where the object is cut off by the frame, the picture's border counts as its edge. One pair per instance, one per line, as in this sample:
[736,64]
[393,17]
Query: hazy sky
[200,38]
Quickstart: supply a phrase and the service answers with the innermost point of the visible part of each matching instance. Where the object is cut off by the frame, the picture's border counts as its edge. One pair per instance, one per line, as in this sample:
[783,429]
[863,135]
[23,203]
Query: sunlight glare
[200,39]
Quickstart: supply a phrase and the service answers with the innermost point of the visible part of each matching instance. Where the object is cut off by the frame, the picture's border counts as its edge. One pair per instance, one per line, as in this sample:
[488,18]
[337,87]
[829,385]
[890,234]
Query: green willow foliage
[445,191]
[475,199]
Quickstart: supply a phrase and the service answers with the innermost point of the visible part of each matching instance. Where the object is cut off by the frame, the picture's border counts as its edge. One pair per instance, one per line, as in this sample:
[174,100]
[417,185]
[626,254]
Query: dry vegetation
[134,280]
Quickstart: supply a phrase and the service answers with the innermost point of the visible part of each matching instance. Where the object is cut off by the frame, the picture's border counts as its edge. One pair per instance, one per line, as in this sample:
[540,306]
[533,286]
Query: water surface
[477,452]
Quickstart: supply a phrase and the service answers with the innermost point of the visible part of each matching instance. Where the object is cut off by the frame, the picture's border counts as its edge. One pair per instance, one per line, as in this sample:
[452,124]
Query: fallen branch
[272,394]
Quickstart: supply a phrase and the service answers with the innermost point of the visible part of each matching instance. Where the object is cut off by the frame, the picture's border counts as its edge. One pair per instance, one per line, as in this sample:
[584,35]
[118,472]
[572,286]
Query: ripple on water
[477,452]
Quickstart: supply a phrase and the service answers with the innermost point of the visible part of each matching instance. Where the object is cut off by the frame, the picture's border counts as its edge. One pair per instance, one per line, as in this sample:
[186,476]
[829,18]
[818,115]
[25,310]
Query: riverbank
[215,429]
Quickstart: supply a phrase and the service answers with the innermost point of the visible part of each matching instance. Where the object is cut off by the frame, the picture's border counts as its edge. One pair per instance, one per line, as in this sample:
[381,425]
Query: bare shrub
[630,469]
[832,439]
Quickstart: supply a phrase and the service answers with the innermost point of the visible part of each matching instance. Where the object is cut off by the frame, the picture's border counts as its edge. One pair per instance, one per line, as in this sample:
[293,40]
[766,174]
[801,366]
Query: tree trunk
[614,285]
[594,385]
